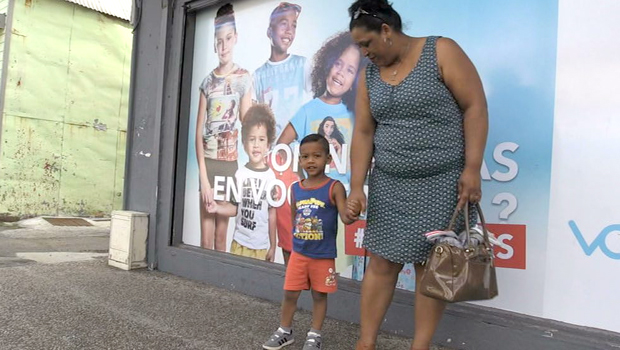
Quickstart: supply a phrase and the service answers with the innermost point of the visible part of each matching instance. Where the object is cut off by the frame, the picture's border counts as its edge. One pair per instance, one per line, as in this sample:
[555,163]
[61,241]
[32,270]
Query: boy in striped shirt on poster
[316,203]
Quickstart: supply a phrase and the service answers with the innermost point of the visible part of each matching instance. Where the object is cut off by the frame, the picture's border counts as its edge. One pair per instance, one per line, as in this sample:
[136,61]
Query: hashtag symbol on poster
[359,238]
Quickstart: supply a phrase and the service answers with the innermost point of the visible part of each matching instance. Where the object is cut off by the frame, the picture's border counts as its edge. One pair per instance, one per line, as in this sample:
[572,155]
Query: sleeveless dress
[419,152]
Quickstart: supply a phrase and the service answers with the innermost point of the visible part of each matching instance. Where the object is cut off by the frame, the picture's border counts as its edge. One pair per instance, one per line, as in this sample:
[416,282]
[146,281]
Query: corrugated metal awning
[116,8]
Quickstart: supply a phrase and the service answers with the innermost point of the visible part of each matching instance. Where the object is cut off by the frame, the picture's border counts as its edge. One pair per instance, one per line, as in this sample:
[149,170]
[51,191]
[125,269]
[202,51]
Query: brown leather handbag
[457,274]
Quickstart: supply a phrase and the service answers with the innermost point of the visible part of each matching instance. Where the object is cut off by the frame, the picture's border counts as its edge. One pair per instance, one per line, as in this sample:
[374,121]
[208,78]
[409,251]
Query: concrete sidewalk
[57,292]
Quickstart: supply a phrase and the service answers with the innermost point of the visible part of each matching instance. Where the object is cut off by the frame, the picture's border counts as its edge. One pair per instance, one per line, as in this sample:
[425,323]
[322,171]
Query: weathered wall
[4,8]
[65,115]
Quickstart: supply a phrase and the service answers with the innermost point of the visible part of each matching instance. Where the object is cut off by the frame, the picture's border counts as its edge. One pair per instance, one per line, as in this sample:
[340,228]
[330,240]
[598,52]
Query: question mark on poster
[511,206]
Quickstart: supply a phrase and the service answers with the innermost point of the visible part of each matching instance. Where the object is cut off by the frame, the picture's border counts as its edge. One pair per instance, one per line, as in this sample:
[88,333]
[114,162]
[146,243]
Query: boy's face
[257,144]
[282,30]
[313,158]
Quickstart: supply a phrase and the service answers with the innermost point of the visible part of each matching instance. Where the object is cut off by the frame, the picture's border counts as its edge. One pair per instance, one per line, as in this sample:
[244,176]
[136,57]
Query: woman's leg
[319,309]
[428,312]
[207,227]
[221,230]
[377,292]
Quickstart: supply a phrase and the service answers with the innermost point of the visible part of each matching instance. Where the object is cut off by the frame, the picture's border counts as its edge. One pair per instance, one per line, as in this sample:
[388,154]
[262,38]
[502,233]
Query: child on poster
[255,224]
[283,83]
[225,96]
[334,77]
[316,203]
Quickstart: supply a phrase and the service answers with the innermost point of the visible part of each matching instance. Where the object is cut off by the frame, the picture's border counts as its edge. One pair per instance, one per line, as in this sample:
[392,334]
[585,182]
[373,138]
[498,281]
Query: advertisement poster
[258,85]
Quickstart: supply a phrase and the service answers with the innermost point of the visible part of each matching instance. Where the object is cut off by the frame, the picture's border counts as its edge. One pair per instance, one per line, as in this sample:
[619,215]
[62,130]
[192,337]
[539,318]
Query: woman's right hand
[356,204]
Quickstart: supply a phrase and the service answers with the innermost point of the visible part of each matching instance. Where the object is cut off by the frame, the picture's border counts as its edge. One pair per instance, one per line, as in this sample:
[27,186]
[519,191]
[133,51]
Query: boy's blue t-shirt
[284,86]
[314,115]
[315,225]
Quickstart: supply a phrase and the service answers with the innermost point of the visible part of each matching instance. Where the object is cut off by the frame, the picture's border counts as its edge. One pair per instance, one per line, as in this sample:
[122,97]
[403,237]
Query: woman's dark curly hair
[371,14]
[325,58]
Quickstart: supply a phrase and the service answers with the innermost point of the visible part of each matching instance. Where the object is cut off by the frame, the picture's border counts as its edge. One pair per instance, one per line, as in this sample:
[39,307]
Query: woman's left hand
[469,187]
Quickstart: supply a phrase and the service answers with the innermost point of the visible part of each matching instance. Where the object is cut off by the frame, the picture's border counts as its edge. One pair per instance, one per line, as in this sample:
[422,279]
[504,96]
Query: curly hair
[325,58]
[259,114]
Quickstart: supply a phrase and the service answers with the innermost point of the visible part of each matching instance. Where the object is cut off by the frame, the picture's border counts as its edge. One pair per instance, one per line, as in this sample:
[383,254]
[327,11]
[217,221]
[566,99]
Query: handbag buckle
[439,249]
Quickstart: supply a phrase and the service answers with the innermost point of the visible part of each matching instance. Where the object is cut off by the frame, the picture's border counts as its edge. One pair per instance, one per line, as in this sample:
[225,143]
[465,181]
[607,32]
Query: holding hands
[356,204]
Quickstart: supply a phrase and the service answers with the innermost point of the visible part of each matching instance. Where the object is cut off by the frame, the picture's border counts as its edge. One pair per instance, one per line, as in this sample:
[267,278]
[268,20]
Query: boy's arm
[272,235]
[339,196]
[246,99]
[293,211]
[224,209]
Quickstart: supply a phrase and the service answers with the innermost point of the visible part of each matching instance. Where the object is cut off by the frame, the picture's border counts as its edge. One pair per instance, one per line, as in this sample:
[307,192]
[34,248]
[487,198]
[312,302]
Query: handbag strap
[485,233]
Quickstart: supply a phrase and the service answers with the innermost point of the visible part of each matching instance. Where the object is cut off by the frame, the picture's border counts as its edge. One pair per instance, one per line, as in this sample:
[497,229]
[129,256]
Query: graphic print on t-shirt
[222,112]
[252,221]
[335,122]
[221,127]
[283,86]
[308,226]
[316,221]
[248,206]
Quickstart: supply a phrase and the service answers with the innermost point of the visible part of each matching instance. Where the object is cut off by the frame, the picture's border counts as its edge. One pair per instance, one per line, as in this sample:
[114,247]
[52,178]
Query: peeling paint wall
[4,8]
[65,116]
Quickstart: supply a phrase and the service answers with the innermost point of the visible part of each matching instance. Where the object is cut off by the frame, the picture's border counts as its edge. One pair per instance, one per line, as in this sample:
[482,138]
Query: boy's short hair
[259,114]
[316,138]
[281,8]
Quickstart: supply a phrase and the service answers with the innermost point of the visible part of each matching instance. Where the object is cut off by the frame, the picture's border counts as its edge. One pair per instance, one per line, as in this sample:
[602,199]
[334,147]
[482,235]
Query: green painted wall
[4,8]
[65,115]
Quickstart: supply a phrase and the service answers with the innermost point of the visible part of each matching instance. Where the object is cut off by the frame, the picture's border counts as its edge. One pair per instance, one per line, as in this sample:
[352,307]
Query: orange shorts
[303,273]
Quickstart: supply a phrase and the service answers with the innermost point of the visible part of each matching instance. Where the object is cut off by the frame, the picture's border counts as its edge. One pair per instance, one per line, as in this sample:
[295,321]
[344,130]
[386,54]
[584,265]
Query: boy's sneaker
[279,339]
[313,341]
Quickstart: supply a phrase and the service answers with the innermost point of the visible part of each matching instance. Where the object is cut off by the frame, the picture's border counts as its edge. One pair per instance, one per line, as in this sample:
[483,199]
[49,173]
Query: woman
[225,88]
[421,111]
[329,129]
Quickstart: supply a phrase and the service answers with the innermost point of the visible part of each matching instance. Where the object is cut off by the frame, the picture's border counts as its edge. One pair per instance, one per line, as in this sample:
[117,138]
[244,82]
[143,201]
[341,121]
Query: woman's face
[372,45]
[225,40]
[328,128]
[342,74]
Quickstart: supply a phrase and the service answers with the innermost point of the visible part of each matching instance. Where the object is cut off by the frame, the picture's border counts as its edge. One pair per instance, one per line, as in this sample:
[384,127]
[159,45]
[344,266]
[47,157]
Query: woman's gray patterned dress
[419,152]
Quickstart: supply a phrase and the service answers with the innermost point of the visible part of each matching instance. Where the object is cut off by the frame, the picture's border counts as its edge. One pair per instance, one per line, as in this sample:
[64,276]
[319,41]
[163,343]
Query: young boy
[283,83]
[255,227]
[316,203]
